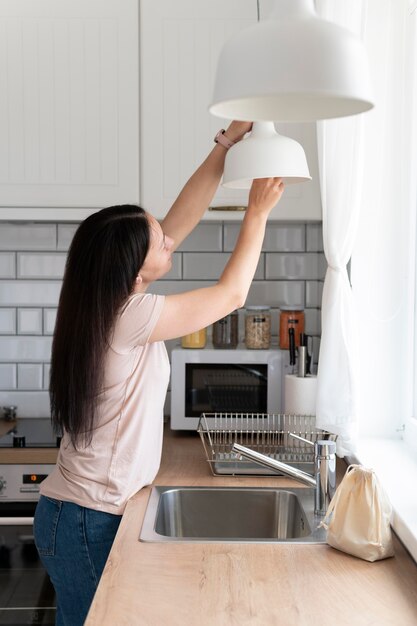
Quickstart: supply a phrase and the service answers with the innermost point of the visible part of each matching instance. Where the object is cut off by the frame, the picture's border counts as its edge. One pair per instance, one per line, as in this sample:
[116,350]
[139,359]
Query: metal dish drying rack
[266,433]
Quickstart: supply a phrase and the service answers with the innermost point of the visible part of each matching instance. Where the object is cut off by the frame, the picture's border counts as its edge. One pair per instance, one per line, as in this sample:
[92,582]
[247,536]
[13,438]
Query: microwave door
[220,381]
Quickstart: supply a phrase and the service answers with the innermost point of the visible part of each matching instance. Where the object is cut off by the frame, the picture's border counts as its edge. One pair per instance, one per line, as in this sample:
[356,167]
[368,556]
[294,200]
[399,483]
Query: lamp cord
[257,5]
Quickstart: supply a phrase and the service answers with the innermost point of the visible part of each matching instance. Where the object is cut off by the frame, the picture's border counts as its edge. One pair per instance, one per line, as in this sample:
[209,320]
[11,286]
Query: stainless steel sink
[230,514]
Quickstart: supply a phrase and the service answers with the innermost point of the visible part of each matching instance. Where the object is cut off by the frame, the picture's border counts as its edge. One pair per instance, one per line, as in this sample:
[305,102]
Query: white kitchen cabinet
[69,107]
[179,46]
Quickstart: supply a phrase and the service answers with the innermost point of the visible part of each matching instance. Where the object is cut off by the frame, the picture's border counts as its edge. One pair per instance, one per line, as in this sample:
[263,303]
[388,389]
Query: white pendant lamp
[264,154]
[292,67]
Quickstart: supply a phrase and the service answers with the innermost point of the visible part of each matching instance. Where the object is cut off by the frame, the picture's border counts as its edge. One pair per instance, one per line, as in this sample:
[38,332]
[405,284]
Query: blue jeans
[73,543]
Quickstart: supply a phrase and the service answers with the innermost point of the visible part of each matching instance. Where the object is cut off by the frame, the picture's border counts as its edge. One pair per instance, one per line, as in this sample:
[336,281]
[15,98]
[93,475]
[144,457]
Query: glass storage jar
[225,331]
[290,317]
[195,340]
[258,327]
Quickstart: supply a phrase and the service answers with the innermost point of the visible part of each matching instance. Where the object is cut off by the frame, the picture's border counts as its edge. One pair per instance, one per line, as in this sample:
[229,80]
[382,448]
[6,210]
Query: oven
[28,450]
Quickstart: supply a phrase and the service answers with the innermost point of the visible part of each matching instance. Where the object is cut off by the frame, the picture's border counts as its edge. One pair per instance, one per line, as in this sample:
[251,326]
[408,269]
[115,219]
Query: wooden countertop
[168,584]
[24,455]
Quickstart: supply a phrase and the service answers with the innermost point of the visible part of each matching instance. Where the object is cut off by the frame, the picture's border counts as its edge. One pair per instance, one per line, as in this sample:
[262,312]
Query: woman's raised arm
[197,193]
[188,312]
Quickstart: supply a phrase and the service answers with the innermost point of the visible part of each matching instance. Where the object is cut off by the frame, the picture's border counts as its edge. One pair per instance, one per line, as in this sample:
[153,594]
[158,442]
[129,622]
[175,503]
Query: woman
[110,370]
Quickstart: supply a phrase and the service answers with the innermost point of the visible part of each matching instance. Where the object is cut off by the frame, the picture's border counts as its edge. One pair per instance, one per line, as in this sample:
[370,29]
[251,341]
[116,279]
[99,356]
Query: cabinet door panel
[68,104]
[179,48]
[180,43]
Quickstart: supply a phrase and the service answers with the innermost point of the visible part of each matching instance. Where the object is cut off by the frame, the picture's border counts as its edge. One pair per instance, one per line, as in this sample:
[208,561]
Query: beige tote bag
[358,518]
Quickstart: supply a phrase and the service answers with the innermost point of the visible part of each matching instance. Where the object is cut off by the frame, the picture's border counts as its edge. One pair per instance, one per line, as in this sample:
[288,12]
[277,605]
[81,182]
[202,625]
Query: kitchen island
[216,584]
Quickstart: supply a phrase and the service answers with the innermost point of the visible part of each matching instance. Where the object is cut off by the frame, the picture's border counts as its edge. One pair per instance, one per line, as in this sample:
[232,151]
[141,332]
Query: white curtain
[383,259]
[368,171]
[340,152]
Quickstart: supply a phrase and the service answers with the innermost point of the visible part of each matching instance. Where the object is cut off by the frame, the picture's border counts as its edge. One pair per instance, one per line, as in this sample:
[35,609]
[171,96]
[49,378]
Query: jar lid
[291,308]
[258,308]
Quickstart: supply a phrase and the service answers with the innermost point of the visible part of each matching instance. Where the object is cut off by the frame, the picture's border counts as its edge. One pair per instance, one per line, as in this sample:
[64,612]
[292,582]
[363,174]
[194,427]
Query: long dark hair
[105,256]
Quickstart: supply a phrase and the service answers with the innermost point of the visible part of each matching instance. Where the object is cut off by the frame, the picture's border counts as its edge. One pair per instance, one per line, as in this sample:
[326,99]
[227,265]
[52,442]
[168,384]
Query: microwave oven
[211,380]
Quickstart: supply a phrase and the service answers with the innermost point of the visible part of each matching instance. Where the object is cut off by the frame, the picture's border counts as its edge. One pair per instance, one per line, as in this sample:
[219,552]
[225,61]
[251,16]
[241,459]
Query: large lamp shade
[264,154]
[292,67]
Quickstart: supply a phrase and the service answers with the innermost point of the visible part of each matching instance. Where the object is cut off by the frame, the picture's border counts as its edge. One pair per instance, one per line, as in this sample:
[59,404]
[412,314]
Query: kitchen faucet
[324,478]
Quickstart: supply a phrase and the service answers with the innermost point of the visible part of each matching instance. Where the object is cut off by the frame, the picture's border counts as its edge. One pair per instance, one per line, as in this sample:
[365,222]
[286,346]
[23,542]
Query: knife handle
[291,338]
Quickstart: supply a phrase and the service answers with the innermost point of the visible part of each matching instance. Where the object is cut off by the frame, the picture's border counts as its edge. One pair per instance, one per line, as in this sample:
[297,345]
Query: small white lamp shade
[292,67]
[264,154]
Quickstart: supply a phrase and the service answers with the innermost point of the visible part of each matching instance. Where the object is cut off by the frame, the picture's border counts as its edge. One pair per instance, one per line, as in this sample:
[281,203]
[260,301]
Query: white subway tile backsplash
[29,376]
[316,349]
[46,372]
[284,238]
[198,265]
[25,349]
[230,233]
[28,236]
[314,292]
[32,261]
[278,237]
[300,266]
[49,317]
[8,379]
[323,265]
[211,265]
[314,238]
[204,238]
[65,234]
[29,321]
[312,321]
[29,293]
[29,403]
[7,265]
[41,265]
[276,293]
[175,273]
[169,287]
[7,321]
[275,322]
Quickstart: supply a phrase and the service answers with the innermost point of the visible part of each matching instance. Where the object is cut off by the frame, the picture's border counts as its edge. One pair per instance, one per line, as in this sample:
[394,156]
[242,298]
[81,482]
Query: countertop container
[258,327]
[225,331]
[195,340]
[290,317]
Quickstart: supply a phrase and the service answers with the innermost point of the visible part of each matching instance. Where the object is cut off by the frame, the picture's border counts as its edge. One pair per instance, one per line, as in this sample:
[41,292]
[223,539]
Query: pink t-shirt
[125,452]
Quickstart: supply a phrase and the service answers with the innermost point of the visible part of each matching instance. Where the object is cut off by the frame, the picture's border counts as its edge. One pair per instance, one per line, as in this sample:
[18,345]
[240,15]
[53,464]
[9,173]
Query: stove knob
[2,485]
[19,442]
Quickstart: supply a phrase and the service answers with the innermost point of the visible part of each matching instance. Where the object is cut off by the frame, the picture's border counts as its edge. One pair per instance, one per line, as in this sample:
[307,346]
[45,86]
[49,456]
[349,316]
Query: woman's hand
[237,130]
[264,194]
